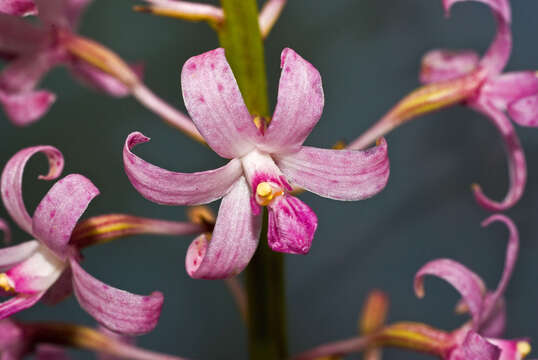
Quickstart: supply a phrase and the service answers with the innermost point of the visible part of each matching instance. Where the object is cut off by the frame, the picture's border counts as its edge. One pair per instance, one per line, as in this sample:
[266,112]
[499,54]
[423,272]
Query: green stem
[240,36]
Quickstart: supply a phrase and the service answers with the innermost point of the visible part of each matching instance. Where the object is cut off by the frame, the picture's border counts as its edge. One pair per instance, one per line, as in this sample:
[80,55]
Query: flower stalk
[240,36]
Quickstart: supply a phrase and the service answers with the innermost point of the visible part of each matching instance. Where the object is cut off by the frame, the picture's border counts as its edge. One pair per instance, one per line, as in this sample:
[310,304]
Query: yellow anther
[266,193]
[264,190]
[5,283]
[524,348]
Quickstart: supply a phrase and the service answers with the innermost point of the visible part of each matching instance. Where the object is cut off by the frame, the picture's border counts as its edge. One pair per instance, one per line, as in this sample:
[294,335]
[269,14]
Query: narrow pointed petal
[4,227]
[61,289]
[58,213]
[516,160]
[525,111]
[51,352]
[338,174]
[215,104]
[18,7]
[18,36]
[18,303]
[444,65]
[509,264]
[233,242]
[118,310]
[174,188]
[495,324]
[504,90]
[499,7]
[477,348]
[23,109]
[11,181]
[466,282]
[13,255]
[100,80]
[299,105]
[291,226]
[53,12]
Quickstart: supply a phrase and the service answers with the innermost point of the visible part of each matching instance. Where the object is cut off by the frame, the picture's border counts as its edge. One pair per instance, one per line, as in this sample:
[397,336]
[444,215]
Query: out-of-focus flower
[455,77]
[18,7]
[33,49]
[479,339]
[267,155]
[48,267]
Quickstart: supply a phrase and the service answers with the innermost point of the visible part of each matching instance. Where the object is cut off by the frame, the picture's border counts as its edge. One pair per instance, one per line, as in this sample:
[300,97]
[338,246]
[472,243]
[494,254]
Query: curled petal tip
[136,138]
[498,217]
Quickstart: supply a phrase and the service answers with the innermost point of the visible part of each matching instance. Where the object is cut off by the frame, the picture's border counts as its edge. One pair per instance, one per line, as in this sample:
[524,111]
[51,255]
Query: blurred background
[368,53]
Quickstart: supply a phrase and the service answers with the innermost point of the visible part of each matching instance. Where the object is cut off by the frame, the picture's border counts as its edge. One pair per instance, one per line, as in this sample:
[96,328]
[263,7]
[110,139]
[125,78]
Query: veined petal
[291,226]
[510,261]
[18,303]
[215,104]
[57,214]
[477,348]
[506,89]
[299,105]
[62,288]
[11,182]
[18,7]
[443,65]
[516,159]
[233,242]
[174,188]
[13,255]
[7,232]
[26,108]
[18,36]
[338,174]
[116,309]
[466,282]
[100,80]
[525,111]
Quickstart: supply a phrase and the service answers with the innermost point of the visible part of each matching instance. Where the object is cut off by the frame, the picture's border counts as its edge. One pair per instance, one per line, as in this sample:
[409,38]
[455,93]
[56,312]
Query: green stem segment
[240,36]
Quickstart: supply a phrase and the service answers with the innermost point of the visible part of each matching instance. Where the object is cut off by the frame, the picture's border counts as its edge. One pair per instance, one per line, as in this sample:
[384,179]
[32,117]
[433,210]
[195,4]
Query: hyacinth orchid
[48,267]
[267,158]
[32,50]
[18,7]
[478,340]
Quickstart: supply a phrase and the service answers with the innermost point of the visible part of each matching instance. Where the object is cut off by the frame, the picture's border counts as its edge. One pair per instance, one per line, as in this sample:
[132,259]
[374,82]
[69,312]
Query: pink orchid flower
[515,93]
[479,339]
[18,7]
[32,50]
[48,267]
[266,158]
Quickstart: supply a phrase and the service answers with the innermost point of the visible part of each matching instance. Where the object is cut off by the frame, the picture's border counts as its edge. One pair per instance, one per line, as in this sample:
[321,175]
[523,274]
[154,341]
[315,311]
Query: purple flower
[267,157]
[18,7]
[515,93]
[48,267]
[33,49]
[479,339]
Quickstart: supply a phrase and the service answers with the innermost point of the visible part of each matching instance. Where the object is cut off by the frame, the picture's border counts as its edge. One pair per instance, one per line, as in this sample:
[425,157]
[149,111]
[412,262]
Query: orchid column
[240,36]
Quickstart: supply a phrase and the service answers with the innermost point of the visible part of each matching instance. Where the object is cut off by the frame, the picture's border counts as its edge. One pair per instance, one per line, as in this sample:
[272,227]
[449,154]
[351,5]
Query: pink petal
[291,226]
[11,182]
[498,53]
[52,12]
[18,303]
[233,242]
[216,106]
[13,340]
[477,348]
[130,340]
[443,65]
[495,324]
[516,159]
[62,288]
[13,255]
[466,282]
[99,80]
[4,227]
[174,188]
[338,174]
[58,212]
[26,108]
[510,261]
[299,105]
[18,7]
[525,111]
[116,309]
[18,36]
[506,89]
[74,10]
[51,352]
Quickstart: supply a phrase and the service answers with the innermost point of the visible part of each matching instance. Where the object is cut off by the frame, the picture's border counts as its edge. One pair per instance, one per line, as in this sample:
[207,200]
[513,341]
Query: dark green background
[368,53]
